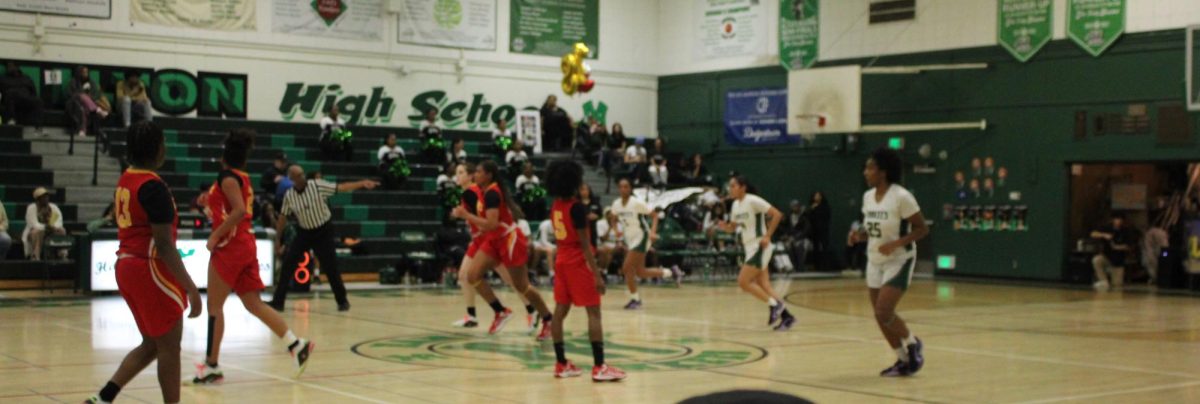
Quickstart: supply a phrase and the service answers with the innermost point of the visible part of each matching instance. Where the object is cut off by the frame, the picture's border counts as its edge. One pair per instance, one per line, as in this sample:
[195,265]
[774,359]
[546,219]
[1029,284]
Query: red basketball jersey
[569,244]
[133,223]
[219,208]
[506,218]
[477,209]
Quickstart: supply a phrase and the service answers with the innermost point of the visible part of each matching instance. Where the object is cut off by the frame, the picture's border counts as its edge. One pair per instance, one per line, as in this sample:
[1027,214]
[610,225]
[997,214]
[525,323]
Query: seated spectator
[335,139]
[42,219]
[1118,241]
[544,246]
[503,137]
[19,99]
[393,165]
[5,239]
[658,172]
[446,178]
[433,147]
[527,177]
[132,94]
[636,161]
[458,151]
[273,174]
[108,219]
[515,159]
[712,219]
[530,193]
[697,173]
[794,231]
[659,147]
[86,104]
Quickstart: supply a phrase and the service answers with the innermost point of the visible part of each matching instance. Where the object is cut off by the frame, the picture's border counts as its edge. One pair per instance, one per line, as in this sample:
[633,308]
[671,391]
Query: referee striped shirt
[310,207]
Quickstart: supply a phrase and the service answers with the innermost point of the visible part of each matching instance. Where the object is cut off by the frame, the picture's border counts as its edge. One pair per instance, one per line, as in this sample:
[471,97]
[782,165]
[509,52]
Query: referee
[308,203]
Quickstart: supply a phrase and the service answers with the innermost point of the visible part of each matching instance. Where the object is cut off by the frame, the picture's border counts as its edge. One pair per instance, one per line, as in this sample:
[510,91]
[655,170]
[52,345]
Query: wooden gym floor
[984,343]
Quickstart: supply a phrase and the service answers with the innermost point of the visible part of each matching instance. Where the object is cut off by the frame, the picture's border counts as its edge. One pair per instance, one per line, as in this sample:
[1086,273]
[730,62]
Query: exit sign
[896,143]
[946,262]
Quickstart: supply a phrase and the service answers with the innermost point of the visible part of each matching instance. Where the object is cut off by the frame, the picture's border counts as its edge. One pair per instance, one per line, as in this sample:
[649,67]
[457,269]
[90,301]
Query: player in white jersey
[756,220]
[892,224]
[641,230]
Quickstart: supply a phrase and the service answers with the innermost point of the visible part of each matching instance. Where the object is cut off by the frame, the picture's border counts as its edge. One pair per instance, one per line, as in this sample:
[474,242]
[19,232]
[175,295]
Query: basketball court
[986,343]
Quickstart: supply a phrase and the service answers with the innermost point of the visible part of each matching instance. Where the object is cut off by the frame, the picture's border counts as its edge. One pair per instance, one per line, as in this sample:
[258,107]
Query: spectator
[589,137]
[433,147]
[636,160]
[389,155]
[856,251]
[819,217]
[530,193]
[614,147]
[107,220]
[502,131]
[515,159]
[543,245]
[458,151]
[132,94]
[658,172]
[595,211]
[697,172]
[609,239]
[20,101]
[556,125]
[527,177]
[199,204]
[445,180]
[273,174]
[5,239]
[1117,241]
[335,139]
[795,229]
[659,147]
[712,218]
[42,219]
[86,101]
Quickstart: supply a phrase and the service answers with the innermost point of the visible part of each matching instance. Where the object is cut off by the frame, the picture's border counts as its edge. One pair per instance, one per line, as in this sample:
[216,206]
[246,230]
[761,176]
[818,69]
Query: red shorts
[474,247]
[153,295]
[237,265]
[575,284]
[512,249]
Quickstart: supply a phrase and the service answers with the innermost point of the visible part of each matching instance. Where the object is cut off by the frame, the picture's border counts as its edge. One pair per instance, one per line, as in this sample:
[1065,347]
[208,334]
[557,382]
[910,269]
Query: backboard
[824,101]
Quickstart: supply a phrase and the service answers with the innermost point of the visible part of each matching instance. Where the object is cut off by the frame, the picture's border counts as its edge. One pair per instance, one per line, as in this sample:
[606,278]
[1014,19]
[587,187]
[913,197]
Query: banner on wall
[757,117]
[195,261]
[223,15]
[74,8]
[1095,24]
[729,28]
[544,27]
[1024,26]
[468,24]
[799,33]
[342,19]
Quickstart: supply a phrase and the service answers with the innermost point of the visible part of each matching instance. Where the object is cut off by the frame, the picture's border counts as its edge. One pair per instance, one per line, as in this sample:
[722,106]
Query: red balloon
[587,86]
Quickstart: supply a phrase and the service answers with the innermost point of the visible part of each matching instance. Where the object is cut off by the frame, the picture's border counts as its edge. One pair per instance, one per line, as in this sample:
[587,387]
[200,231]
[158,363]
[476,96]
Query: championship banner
[74,8]
[799,33]
[757,117]
[729,28]
[467,24]
[1095,24]
[341,19]
[1024,26]
[223,15]
[552,27]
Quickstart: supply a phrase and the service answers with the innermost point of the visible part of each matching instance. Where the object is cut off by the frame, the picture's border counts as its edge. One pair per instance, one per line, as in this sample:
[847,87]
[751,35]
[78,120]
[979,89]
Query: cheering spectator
[86,102]
[527,177]
[389,155]
[42,219]
[503,137]
[5,239]
[433,147]
[132,94]
[19,99]
[273,174]
[515,159]
[556,125]
[335,139]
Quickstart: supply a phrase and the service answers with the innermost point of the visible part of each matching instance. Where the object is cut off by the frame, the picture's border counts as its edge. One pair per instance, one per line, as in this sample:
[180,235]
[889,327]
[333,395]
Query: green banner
[799,33]
[1095,24]
[552,27]
[1024,26]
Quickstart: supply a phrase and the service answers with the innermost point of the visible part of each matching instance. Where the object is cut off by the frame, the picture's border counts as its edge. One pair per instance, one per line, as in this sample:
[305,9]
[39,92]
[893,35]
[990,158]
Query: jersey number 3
[122,208]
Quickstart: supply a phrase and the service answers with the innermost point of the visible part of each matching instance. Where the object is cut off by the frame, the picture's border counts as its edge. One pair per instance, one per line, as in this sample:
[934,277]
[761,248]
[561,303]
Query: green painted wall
[1030,107]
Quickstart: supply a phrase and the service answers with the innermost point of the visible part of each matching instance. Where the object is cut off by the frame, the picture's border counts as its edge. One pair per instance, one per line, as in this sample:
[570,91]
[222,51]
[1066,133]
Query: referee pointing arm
[307,203]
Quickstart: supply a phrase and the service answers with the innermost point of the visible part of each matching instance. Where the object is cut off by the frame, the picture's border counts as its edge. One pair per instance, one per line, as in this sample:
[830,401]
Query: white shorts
[756,258]
[895,273]
[637,242]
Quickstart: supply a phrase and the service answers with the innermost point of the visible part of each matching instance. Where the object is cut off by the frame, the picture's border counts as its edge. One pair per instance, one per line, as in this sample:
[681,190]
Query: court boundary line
[1114,392]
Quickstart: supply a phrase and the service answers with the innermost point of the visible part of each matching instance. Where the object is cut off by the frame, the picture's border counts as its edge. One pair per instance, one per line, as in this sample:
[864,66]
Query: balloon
[576,73]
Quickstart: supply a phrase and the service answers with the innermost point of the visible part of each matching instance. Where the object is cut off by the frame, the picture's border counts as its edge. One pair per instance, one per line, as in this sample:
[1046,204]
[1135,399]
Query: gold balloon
[575,72]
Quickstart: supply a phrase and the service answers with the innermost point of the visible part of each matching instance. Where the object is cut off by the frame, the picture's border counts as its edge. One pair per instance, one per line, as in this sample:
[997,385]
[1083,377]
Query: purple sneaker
[678,274]
[633,305]
[900,369]
[786,322]
[915,359]
[776,312]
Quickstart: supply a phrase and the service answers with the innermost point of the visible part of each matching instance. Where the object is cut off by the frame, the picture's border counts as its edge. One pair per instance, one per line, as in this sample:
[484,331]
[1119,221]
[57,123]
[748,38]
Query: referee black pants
[320,241]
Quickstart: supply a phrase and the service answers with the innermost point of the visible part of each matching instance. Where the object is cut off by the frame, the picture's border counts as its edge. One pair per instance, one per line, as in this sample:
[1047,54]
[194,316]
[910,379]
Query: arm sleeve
[229,174]
[908,206]
[579,216]
[325,188]
[644,209]
[759,205]
[491,200]
[157,201]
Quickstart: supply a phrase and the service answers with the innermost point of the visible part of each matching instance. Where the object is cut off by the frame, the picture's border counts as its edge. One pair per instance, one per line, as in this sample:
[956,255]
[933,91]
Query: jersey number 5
[122,208]
[560,231]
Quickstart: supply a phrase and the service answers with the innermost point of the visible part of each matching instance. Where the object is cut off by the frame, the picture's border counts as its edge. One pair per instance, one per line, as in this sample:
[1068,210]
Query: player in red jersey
[578,280]
[150,273]
[500,242]
[233,265]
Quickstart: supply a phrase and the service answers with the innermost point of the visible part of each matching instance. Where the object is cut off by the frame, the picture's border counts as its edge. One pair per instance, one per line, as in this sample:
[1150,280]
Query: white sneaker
[1100,286]
[466,322]
[207,374]
[300,355]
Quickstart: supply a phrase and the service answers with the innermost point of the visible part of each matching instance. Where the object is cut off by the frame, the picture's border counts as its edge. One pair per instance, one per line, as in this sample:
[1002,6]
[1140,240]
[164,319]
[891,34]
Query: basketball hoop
[811,125]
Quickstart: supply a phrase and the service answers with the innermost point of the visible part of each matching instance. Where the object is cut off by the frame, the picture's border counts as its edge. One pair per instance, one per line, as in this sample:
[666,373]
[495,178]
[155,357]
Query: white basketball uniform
[886,221]
[750,215]
[634,218]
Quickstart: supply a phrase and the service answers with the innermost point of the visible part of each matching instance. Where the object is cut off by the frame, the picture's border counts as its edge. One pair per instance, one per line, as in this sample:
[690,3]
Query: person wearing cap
[42,218]
[5,239]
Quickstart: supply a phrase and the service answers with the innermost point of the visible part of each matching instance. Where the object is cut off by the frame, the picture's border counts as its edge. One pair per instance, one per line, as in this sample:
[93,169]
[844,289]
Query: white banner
[730,28]
[78,8]
[195,259]
[469,24]
[342,19]
[662,199]
[224,15]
